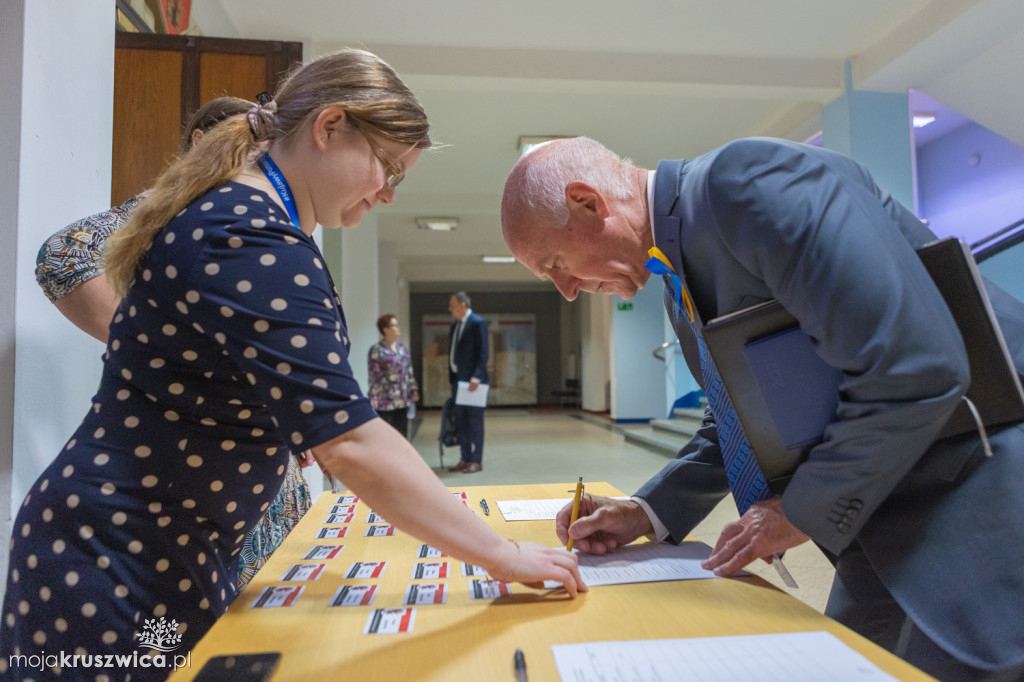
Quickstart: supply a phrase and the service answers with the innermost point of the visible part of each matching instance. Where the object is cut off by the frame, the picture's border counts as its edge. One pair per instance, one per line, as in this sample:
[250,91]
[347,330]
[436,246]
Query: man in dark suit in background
[467,361]
[905,515]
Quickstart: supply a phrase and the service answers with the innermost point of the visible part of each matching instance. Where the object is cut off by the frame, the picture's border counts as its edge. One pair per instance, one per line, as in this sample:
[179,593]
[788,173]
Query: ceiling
[651,79]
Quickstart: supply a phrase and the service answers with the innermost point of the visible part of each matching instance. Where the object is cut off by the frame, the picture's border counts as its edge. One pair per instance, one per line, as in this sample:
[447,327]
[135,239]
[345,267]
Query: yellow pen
[575,509]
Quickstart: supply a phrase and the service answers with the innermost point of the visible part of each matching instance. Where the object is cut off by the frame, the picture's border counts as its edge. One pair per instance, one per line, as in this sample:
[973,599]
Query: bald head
[535,189]
[575,213]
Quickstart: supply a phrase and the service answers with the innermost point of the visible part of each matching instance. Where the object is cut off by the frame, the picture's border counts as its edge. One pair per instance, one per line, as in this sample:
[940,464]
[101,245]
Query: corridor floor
[526,446]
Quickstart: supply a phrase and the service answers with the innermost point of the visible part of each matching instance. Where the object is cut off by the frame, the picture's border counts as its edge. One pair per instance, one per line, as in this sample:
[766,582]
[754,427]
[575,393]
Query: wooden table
[474,640]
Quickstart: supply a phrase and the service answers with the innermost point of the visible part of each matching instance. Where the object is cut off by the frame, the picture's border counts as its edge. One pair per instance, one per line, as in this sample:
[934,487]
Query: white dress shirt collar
[650,202]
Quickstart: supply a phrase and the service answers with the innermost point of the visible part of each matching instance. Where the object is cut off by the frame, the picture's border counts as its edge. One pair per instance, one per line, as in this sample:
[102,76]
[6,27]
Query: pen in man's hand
[483,503]
[575,509]
[520,661]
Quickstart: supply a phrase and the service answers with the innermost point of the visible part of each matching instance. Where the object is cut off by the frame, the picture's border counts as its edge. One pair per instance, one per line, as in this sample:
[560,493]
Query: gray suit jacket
[760,219]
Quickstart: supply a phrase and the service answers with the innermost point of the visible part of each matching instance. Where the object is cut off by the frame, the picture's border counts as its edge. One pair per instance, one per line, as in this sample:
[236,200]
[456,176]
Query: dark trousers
[470,424]
[398,418]
[875,614]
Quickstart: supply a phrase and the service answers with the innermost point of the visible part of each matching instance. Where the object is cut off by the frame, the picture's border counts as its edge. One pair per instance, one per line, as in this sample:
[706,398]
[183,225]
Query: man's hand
[474,384]
[603,524]
[760,533]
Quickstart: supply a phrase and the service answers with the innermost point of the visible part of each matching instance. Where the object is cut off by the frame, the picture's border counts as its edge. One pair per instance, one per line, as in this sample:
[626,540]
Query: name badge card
[354,595]
[366,569]
[390,621]
[323,552]
[425,594]
[487,589]
[469,570]
[271,597]
[428,552]
[325,533]
[430,570]
[303,572]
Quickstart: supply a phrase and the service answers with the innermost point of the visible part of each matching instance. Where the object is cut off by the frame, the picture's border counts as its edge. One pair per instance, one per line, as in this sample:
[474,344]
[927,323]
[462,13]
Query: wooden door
[161,80]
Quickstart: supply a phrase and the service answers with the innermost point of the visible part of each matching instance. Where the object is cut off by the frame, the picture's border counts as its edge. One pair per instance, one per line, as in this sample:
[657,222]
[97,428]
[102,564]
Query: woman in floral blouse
[392,385]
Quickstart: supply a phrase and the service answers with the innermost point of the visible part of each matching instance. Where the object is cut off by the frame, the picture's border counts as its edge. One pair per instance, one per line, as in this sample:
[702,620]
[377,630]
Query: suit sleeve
[688,487]
[828,246]
[480,368]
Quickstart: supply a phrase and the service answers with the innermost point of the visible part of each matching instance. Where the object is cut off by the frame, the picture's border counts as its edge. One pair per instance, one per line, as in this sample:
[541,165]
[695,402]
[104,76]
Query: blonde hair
[208,116]
[360,83]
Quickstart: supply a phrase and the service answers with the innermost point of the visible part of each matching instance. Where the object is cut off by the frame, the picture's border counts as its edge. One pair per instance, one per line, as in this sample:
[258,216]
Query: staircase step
[689,412]
[649,439]
[682,427]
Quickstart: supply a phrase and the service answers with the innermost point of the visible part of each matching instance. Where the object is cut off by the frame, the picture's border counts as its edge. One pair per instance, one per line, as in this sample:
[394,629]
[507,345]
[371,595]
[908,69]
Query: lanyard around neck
[659,264]
[277,179]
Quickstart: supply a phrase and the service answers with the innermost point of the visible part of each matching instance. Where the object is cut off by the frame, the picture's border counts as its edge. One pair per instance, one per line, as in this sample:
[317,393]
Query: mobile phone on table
[239,668]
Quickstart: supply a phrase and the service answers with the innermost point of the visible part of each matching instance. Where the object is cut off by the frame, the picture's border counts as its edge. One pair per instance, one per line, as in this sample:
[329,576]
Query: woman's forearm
[381,466]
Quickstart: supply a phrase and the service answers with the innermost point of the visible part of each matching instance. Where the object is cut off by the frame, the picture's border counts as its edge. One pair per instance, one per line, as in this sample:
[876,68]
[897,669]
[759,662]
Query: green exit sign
[626,306]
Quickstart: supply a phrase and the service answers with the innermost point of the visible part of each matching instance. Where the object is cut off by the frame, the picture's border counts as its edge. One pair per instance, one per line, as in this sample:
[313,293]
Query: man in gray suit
[926,534]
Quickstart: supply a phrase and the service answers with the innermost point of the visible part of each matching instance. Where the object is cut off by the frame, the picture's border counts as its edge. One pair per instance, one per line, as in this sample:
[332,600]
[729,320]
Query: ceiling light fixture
[499,259]
[437,224]
[923,118]
[529,142]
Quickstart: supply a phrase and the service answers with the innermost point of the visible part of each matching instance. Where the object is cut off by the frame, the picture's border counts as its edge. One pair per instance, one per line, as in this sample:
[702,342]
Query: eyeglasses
[394,172]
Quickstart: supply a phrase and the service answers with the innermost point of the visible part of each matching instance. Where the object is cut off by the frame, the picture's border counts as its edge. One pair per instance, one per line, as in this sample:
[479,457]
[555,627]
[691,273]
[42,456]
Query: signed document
[645,563]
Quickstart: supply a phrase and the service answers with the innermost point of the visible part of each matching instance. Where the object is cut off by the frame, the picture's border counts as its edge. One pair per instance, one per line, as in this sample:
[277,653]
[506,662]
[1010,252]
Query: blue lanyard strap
[276,178]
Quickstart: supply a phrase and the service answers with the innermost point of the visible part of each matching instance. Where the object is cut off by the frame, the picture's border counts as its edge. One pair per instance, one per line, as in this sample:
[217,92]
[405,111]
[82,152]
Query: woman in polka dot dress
[228,348]
[69,271]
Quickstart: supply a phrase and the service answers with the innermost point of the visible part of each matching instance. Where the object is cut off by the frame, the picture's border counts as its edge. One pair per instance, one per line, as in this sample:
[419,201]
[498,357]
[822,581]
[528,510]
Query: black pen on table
[483,504]
[520,662]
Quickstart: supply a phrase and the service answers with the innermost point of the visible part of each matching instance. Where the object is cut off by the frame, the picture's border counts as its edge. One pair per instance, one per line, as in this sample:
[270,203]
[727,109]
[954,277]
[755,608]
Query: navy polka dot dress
[229,350]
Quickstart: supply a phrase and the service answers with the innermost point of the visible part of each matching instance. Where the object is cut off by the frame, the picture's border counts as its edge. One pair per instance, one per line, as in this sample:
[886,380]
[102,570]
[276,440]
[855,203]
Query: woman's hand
[532,563]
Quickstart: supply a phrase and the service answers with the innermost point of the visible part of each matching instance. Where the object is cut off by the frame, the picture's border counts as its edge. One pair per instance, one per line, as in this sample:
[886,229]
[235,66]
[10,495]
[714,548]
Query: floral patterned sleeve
[392,384]
[378,376]
[71,256]
[411,387]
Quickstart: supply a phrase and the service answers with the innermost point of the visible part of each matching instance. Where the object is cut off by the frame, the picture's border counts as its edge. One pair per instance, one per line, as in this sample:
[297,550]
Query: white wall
[387,284]
[595,351]
[58,62]
[358,283]
[970,183]
[639,379]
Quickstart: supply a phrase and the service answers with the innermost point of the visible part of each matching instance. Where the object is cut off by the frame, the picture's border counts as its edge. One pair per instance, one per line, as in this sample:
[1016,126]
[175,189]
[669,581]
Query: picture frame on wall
[129,20]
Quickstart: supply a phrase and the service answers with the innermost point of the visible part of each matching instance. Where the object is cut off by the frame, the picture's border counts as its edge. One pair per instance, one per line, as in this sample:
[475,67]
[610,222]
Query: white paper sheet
[781,657]
[644,563]
[535,510]
[477,398]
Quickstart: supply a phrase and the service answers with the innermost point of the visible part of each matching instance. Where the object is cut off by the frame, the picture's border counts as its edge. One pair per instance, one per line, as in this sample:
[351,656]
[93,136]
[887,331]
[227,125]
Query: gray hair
[462,297]
[535,188]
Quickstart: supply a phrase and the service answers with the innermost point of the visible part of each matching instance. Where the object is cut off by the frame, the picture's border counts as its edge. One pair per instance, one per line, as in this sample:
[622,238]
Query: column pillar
[55,141]
[873,128]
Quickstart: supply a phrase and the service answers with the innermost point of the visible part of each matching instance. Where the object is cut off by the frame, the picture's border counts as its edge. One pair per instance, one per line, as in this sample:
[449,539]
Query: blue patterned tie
[746,481]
